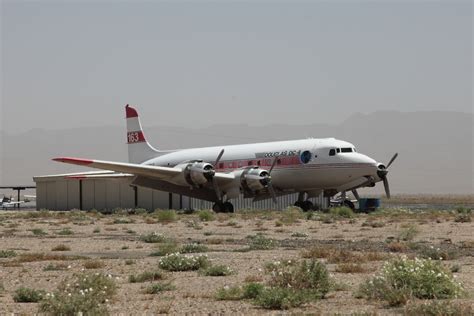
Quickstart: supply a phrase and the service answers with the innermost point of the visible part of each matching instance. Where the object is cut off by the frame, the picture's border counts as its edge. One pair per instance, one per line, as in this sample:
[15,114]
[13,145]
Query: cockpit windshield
[333,151]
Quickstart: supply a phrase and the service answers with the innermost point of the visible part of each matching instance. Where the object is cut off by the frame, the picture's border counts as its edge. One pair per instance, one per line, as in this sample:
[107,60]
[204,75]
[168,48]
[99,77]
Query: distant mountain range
[436,148]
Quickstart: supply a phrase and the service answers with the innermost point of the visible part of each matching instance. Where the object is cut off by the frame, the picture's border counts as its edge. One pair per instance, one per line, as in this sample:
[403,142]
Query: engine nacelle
[195,173]
[254,179]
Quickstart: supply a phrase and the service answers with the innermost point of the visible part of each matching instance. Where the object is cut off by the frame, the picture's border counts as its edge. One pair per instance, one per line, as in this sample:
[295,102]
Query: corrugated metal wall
[57,193]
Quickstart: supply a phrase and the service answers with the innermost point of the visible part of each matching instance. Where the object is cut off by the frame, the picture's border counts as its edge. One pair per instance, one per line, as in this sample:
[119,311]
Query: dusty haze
[233,72]
[435,147]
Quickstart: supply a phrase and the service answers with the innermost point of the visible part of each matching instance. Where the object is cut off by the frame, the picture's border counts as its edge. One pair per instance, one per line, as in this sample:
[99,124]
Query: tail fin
[139,150]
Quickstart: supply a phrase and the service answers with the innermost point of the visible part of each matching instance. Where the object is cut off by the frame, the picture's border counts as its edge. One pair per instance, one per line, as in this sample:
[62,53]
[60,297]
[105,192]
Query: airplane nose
[361,158]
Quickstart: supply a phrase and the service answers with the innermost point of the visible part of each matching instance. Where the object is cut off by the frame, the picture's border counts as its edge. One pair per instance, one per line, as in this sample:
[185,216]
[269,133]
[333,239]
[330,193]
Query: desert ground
[42,248]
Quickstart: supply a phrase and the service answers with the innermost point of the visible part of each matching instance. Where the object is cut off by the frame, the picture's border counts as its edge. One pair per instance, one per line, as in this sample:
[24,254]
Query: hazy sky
[201,63]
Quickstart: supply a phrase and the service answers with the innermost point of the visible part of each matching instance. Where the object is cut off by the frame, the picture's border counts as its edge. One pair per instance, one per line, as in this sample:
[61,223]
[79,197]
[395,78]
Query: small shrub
[61,248]
[402,279]
[260,242]
[397,246]
[280,298]
[65,232]
[96,230]
[123,221]
[159,287]
[438,308]
[55,267]
[317,252]
[153,238]
[312,275]
[350,268]
[218,270]
[38,232]
[7,253]
[299,235]
[129,262]
[27,295]
[291,215]
[463,218]
[227,293]
[435,253]
[166,216]
[193,248]
[252,290]
[408,233]
[81,293]
[93,264]
[206,215]
[165,249]
[179,262]
[146,276]
[342,211]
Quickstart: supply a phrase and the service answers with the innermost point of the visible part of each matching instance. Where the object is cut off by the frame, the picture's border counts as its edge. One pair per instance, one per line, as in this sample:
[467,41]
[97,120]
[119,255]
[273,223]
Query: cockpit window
[338,150]
[346,150]
[332,152]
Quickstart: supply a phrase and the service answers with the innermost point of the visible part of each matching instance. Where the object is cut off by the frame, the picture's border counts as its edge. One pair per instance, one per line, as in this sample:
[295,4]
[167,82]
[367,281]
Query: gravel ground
[108,240]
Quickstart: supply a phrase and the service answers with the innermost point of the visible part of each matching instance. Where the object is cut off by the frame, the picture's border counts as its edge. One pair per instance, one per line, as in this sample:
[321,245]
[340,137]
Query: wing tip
[76,161]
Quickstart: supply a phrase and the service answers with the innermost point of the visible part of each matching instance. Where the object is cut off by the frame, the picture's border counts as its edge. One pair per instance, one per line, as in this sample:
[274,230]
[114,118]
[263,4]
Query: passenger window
[332,152]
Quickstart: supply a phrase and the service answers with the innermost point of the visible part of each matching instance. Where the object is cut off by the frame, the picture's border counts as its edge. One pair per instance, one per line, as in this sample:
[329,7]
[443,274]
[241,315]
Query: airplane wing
[130,170]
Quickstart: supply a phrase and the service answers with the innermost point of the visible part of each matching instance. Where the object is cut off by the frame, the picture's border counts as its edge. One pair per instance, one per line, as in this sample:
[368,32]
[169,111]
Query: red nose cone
[130,112]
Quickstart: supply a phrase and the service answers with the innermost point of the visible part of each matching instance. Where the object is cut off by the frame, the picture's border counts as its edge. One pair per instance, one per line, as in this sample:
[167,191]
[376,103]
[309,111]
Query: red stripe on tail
[135,137]
[130,112]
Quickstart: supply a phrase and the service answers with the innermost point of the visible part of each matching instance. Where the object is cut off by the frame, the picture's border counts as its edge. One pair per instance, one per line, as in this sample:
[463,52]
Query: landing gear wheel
[225,207]
[305,205]
[349,204]
[228,207]
[218,207]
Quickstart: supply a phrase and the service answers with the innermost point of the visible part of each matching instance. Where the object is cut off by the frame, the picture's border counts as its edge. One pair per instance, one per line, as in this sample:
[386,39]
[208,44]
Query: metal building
[57,192]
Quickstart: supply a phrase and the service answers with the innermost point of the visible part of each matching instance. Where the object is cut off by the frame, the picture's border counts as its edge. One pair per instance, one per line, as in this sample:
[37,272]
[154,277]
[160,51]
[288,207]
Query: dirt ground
[115,239]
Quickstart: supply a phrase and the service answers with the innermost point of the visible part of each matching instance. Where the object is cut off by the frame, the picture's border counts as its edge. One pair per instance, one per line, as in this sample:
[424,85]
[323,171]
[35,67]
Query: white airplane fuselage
[319,172]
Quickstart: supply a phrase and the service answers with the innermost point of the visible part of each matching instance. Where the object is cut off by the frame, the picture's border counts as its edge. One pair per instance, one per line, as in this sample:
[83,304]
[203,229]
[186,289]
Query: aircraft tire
[307,206]
[228,207]
[218,207]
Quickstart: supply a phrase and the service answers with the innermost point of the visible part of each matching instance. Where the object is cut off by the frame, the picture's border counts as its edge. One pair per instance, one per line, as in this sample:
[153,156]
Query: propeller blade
[219,158]
[391,160]
[356,194]
[275,160]
[386,187]
[272,193]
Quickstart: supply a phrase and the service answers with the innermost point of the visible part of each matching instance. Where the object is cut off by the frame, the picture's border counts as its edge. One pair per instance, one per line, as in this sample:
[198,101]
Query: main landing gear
[223,207]
[305,205]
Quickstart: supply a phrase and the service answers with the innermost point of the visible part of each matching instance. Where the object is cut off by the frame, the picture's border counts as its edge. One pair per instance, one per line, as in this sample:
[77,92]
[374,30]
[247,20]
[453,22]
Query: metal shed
[58,192]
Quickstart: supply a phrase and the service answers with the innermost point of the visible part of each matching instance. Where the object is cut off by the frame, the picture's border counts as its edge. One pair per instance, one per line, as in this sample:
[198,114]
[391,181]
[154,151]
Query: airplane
[9,203]
[260,171]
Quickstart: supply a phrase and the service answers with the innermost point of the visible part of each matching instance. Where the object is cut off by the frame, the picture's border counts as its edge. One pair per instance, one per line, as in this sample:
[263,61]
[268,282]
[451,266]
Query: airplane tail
[139,150]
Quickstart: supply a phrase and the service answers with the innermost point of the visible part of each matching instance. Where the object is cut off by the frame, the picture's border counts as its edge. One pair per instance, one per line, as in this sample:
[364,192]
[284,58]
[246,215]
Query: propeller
[270,188]
[215,185]
[382,173]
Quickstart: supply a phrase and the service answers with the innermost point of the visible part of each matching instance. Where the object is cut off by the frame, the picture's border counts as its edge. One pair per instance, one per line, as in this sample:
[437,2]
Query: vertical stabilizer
[139,150]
